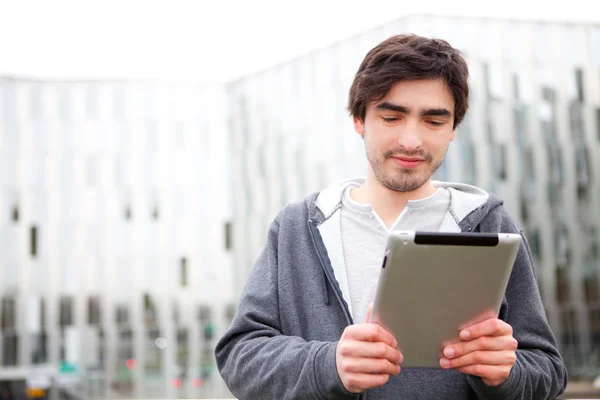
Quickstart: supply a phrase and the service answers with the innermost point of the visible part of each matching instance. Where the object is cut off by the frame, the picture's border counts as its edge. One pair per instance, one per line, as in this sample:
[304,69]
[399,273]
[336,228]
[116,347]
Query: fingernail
[465,335]
[449,352]
[444,363]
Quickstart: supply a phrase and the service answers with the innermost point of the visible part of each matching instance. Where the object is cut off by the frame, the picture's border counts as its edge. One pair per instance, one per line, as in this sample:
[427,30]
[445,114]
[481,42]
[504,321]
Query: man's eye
[389,119]
[435,123]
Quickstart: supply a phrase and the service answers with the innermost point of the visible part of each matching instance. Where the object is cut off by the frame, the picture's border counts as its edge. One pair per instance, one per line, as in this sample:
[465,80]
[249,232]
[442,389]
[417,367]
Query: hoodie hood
[468,207]
[468,204]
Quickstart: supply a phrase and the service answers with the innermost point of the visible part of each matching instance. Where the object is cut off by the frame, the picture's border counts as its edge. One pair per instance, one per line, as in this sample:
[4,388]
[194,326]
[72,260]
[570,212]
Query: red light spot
[197,383]
[130,363]
[176,382]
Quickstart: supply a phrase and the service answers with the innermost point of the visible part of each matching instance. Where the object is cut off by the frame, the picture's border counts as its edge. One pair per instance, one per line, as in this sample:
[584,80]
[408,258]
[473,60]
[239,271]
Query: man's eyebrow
[392,107]
[436,112]
[430,112]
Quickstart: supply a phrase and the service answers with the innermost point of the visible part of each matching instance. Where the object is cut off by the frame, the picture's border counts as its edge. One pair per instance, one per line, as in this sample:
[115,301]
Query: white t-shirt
[364,236]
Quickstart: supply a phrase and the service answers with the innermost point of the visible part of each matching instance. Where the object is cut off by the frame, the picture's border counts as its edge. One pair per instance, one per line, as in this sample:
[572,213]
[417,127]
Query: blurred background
[145,148]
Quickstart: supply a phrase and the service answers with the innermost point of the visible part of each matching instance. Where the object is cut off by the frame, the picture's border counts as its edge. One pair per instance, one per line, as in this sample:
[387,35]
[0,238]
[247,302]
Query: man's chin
[404,187]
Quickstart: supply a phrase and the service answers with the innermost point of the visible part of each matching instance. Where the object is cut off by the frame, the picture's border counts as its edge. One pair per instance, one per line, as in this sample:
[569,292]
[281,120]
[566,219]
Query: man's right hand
[366,356]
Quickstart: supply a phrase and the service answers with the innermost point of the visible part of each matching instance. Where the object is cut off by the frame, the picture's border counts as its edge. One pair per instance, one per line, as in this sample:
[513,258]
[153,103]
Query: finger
[357,383]
[370,366]
[369,309]
[492,375]
[489,327]
[490,343]
[357,349]
[370,333]
[486,314]
[505,357]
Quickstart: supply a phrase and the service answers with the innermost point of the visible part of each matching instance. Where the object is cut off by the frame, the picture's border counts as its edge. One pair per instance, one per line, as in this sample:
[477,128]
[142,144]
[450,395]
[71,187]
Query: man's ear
[453,135]
[359,126]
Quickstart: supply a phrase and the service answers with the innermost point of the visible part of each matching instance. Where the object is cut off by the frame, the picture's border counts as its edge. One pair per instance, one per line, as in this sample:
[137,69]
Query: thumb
[369,309]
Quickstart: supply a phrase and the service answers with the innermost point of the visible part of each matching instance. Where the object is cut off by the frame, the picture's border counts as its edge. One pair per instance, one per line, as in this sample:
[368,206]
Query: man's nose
[409,136]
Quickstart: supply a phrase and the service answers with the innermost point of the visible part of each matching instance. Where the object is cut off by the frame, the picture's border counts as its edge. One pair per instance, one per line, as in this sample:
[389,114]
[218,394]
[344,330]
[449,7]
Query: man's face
[407,133]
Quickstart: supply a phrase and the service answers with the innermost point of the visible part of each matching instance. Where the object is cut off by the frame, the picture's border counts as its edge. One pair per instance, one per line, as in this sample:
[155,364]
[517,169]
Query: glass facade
[109,242]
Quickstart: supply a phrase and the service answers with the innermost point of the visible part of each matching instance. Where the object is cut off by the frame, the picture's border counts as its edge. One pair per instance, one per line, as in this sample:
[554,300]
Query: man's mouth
[408,162]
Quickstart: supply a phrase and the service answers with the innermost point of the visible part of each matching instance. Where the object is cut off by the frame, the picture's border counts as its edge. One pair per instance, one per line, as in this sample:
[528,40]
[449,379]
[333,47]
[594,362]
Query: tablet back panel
[434,284]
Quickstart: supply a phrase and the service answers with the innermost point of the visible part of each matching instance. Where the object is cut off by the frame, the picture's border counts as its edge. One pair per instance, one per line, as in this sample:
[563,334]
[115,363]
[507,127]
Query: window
[39,348]
[150,314]
[589,265]
[598,123]
[561,246]
[571,335]
[182,349]
[523,205]
[94,311]
[183,272]
[10,345]
[529,164]
[8,313]
[15,213]
[579,83]
[122,314]
[516,87]
[501,161]
[228,236]
[176,314]
[534,243]
[576,121]
[128,213]
[33,241]
[43,313]
[555,165]
[562,286]
[583,171]
[594,320]
[124,347]
[204,314]
[590,286]
[594,250]
[153,353]
[66,311]
[520,117]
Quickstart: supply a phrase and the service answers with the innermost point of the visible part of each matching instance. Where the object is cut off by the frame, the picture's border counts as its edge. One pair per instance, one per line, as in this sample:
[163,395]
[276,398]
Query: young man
[300,331]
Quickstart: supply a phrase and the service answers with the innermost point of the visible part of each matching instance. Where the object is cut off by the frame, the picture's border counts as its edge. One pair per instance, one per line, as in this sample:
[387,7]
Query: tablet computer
[434,284]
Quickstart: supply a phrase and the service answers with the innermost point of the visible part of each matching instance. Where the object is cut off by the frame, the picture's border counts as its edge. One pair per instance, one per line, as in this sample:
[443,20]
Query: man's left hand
[487,349]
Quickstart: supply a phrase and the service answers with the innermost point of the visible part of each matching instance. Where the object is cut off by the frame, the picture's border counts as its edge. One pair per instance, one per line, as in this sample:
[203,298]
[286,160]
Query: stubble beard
[402,180]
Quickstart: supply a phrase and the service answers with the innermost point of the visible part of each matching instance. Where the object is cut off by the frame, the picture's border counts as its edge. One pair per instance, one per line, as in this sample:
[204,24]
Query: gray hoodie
[281,343]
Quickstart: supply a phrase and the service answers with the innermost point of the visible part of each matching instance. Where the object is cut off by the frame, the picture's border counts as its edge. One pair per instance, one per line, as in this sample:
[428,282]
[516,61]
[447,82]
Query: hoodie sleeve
[539,372]
[257,361]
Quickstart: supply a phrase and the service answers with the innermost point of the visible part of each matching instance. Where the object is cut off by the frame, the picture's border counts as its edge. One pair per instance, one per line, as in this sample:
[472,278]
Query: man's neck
[388,203]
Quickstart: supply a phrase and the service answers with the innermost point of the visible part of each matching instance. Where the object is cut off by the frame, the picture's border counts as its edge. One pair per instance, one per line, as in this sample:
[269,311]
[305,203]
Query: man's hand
[366,356]
[487,350]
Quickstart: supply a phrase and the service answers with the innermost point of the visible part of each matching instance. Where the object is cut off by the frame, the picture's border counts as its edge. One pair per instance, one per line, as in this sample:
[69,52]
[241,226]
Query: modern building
[115,271]
[531,136]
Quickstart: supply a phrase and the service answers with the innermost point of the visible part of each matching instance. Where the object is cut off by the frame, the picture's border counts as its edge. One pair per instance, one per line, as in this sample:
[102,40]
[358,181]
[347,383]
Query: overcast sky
[211,41]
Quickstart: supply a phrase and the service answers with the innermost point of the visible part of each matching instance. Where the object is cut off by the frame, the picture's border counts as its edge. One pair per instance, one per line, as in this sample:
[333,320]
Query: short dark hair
[405,58]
